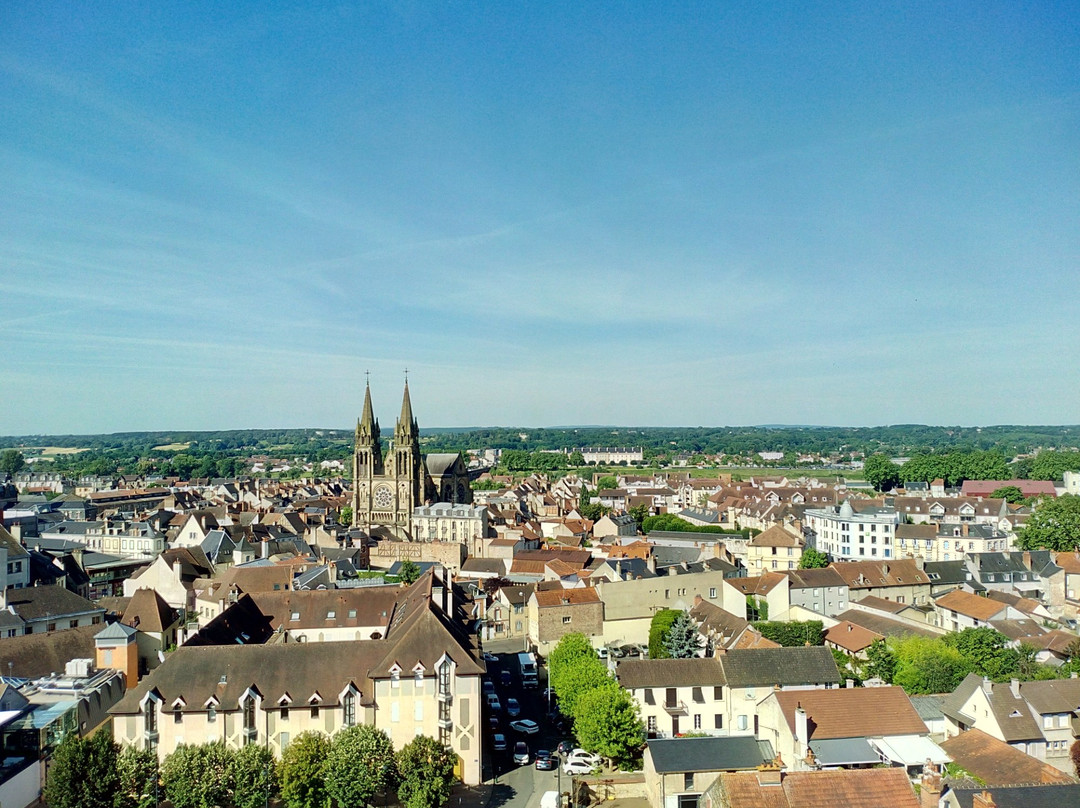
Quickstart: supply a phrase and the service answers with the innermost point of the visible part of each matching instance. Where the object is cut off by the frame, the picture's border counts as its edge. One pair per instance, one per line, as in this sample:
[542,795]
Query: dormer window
[348,709]
[395,676]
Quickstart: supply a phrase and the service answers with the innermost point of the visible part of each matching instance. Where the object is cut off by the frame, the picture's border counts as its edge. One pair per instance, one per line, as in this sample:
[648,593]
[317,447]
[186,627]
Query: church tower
[367,462]
[408,465]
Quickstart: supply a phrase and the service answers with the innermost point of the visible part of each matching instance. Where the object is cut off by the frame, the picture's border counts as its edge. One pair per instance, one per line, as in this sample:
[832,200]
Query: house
[774,549]
[677,695]
[678,770]
[724,630]
[1033,717]
[900,580]
[422,677]
[823,591]
[1026,796]
[850,727]
[958,610]
[39,609]
[772,788]
[996,763]
[556,612]
[14,561]
[173,575]
[853,530]
[854,640]
[614,524]
[157,625]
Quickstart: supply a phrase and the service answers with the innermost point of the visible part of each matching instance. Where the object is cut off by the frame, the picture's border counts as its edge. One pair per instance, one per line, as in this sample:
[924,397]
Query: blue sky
[220,216]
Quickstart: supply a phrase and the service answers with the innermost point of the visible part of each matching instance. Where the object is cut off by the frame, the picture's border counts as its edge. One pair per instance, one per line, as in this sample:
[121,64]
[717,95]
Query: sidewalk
[463,796]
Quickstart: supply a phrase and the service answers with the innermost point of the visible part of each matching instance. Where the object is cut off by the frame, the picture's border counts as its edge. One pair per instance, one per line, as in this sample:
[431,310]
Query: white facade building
[847,533]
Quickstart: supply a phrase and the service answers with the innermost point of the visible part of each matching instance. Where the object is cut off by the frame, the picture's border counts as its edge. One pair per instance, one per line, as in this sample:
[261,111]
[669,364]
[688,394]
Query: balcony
[675,708]
[446,696]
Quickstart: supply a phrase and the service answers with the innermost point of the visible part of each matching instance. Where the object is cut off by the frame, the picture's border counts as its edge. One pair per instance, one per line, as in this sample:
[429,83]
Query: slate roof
[752,667]
[34,655]
[852,712]
[998,764]
[814,579]
[1047,796]
[1052,695]
[695,672]
[37,602]
[709,754]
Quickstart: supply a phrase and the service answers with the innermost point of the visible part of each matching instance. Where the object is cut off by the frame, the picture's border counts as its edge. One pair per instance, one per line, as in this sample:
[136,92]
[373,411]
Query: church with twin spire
[386,490]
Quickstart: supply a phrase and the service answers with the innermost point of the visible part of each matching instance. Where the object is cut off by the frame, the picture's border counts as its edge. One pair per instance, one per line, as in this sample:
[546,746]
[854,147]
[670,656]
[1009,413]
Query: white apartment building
[443,521]
[853,531]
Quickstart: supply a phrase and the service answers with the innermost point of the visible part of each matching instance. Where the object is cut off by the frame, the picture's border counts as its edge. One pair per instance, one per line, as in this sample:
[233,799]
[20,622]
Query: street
[514,785]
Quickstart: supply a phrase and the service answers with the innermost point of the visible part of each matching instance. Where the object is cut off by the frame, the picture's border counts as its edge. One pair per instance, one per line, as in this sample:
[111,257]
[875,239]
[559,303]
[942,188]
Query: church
[387,490]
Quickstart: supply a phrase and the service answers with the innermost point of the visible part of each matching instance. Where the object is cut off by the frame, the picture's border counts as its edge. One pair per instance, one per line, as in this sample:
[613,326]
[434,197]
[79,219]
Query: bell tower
[408,468]
[367,461]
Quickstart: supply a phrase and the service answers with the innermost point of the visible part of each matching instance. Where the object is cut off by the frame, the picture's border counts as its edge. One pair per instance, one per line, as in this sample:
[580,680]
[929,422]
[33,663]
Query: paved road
[516,786]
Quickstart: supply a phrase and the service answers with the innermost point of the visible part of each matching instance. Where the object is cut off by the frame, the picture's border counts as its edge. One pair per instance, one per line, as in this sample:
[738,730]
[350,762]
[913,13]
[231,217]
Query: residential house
[1038,718]
[951,510]
[774,549]
[677,695]
[157,624]
[772,788]
[174,575]
[823,591]
[614,524]
[554,613]
[14,561]
[854,530]
[678,770]
[850,727]
[996,763]
[958,610]
[39,609]
[422,677]
[1025,796]
[899,579]
[725,631]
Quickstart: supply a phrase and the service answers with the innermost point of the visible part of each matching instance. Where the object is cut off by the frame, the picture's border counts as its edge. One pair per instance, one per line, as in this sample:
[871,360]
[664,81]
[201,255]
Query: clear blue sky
[218,215]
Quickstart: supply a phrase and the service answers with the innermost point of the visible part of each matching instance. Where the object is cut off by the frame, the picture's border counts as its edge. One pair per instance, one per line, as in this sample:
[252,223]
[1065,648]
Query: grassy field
[46,451]
[172,447]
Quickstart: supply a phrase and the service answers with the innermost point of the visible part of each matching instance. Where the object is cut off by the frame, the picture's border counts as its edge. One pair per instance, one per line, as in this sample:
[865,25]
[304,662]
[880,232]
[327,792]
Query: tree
[409,571]
[987,651]
[682,641]
[658,632]
[927,665]
[83,773]
[492,585]
[569,649]
[812,559]
[793,633]
[607,483]
[359,765]
[576,459]
[640,513]
[303,767]
[1054,525]
[880,662]
[426,773]
[102,778]
[254,776]
[606,721]
[138,773]
[579,677]
[1009,493]
[1074,753]
[198,776]
[11,461]
[345,516]
[881,472]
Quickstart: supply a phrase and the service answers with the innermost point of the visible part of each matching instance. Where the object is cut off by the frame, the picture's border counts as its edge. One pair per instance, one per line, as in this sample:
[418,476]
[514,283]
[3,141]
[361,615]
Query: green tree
[515,459]
[303,768]
[426,773]
[577,678]
[607,483]
[138,773]
[640,513]
[409,571]
[1050,465]
[682,641]
[793,633]
[1009,493]
[881,472]
[360,765]
[65,786]
[606,722]
[658,632]
[198,776]
[254,776]
[568,650]
[11,461]
[987,651]
[927,665]
[880,662]
[812,559]
[1054,525]
[345,516]
[576,459]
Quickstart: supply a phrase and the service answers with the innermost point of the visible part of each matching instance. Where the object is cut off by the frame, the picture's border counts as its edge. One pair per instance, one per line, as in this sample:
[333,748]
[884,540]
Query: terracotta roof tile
[970,605]
[853,712]
[998,764]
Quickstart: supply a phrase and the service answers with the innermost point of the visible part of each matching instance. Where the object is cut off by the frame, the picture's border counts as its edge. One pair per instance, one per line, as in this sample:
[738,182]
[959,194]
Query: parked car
[499,742]
[493,721]
[491,659]
[565,747]
[521,753]
[577,767]
[506,678]
[545,760]
[580,755]
[488,687]
[513,709]
[493,703]
[525,725]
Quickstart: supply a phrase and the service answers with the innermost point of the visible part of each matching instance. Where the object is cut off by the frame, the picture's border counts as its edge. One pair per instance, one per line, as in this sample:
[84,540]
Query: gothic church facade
[386,490]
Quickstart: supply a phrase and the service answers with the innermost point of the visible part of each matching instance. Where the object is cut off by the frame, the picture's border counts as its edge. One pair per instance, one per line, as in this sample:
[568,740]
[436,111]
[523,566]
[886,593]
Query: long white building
[853,530]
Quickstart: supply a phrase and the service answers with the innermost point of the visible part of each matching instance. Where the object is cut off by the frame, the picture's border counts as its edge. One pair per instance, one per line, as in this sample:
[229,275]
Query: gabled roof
[765,667]
[872,574]
[1045,796]
[998,764]
[969,605]
[850,637]
[33,655]
[776,536]
[566,597]
[852,712]
[709,754]
[694,672]
[149,612]
[855,788]
[37,602]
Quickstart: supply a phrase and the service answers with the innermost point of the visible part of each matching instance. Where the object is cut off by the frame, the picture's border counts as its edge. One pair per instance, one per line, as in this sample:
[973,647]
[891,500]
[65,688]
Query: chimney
[1014,686]
[1027,559]
[801,729]
[983,800]
[987,686]
[930,793]
[964,529]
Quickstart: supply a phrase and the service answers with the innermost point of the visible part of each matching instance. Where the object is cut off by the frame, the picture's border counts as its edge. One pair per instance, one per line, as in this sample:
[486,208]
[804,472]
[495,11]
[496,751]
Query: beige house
[554,613]
[677,695]
[422,678]
[773,550]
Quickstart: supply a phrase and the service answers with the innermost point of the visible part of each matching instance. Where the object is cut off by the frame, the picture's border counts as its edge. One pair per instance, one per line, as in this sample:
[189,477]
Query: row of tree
[955,467]
[605,717]
[922,665]
[315,771]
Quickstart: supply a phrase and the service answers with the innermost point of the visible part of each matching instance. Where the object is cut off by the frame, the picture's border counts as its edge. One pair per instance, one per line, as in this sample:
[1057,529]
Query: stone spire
[407,428]
[367,428]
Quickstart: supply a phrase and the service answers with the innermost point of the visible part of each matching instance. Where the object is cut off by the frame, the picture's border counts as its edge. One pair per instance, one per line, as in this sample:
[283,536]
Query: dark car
[505,678]
[545,760]
[565,747]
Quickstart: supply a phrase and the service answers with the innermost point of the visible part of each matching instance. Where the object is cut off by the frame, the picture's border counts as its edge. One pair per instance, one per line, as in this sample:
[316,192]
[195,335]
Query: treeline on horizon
[222,453]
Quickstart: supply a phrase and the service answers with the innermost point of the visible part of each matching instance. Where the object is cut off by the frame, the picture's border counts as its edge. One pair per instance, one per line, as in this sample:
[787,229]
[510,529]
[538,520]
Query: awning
[910,750]
[844,752]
